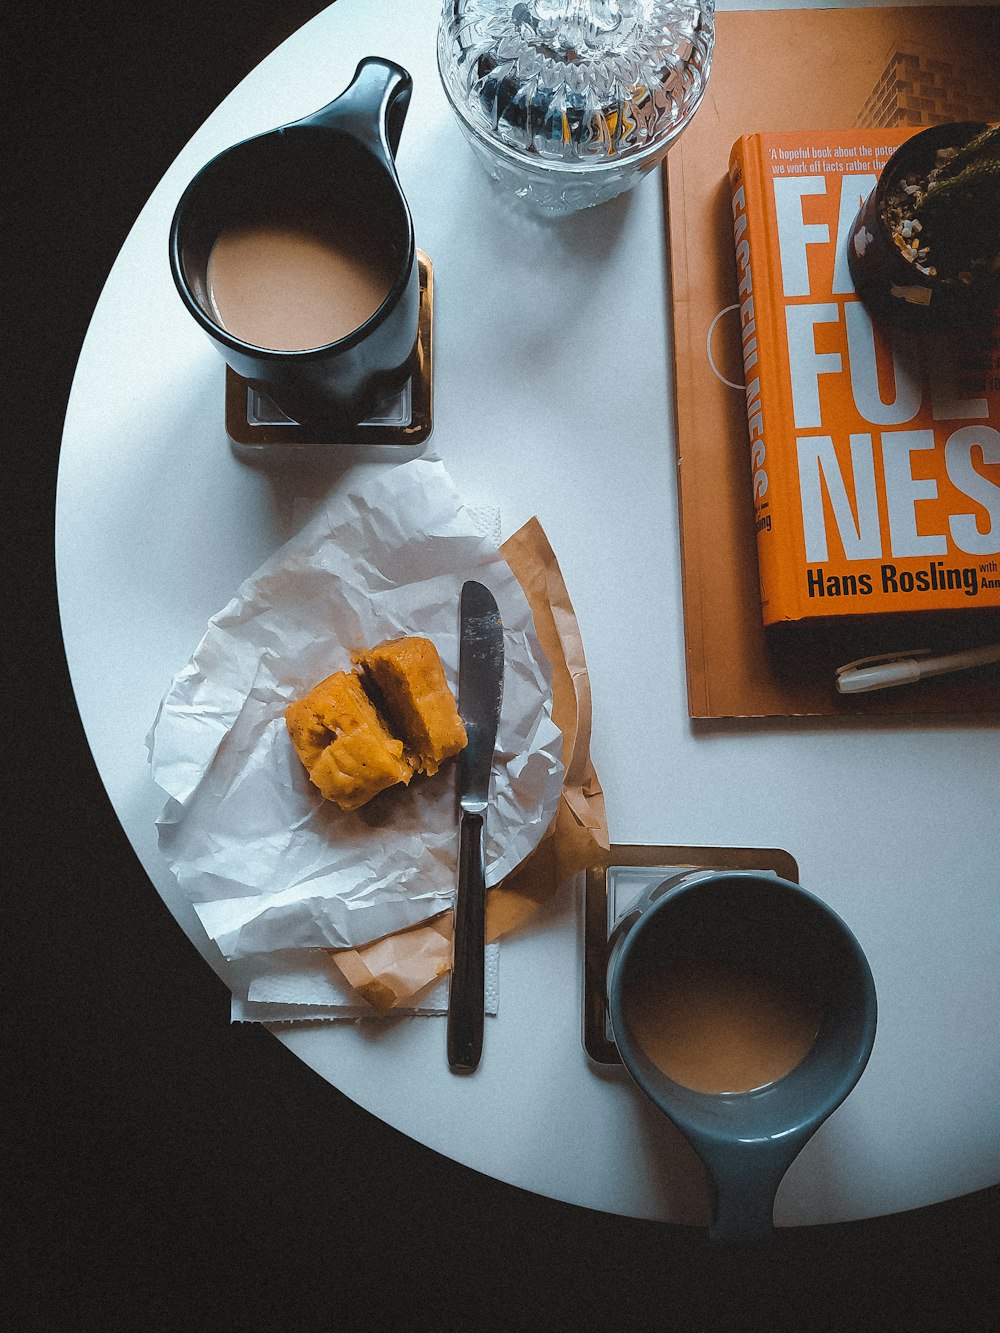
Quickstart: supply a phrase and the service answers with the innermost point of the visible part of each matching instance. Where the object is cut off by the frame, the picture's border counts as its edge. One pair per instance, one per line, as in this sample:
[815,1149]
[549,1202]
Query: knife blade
[480,693]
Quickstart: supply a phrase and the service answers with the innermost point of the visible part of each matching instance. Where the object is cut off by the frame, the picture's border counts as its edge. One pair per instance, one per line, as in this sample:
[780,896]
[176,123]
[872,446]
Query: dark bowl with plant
[924,250]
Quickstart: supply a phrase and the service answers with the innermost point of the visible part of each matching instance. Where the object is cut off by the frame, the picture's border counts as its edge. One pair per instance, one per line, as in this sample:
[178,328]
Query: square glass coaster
[614,887]
[405,419]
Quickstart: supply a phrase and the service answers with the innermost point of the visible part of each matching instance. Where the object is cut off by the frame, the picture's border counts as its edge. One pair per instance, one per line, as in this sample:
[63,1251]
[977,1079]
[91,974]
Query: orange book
[874,452]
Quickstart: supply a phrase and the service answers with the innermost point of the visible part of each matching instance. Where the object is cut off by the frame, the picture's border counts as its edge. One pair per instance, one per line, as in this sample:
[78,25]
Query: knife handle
[467,999]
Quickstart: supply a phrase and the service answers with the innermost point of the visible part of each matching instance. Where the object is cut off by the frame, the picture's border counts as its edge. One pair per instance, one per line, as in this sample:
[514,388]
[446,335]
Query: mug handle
[744,1183]
[372,108]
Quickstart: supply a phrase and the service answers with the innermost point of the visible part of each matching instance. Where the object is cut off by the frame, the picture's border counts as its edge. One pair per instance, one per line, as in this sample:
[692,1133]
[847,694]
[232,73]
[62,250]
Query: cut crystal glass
[569,102]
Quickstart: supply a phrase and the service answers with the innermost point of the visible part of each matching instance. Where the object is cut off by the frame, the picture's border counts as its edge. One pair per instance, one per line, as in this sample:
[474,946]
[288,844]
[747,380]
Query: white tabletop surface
[553,397]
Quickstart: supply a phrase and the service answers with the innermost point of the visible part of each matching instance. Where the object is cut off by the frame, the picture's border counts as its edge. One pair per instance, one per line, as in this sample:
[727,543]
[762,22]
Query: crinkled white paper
[270,865]
[306,986]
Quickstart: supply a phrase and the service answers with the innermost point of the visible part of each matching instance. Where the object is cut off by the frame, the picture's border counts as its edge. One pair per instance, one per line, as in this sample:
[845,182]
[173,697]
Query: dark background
[170,1169]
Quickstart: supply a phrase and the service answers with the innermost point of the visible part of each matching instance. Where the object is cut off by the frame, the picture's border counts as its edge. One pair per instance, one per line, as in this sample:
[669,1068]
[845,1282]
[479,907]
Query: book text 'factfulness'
[818,463]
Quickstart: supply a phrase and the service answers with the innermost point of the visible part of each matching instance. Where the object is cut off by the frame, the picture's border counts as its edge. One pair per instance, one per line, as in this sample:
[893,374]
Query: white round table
[892,823]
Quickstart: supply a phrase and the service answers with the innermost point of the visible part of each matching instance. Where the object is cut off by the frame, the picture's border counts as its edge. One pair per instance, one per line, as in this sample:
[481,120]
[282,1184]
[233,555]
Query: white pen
[878,673]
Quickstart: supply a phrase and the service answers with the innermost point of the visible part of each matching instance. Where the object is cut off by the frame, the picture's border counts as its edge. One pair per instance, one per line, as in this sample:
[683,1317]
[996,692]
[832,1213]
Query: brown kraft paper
[389,972]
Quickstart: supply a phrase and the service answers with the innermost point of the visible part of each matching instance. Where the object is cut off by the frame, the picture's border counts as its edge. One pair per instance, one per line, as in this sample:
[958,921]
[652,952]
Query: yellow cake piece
[340,738]
[409,677]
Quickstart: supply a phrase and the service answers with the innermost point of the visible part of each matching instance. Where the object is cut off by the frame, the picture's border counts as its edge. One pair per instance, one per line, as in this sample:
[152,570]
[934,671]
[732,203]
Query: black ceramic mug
[337,163]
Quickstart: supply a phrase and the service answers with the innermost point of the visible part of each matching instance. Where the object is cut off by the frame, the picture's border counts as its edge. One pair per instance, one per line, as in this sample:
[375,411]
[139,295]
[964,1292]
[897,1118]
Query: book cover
[874,452]
[895,67]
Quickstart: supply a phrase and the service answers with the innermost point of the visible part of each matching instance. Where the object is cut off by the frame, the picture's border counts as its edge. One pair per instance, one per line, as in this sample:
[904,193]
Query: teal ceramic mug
[745,1009]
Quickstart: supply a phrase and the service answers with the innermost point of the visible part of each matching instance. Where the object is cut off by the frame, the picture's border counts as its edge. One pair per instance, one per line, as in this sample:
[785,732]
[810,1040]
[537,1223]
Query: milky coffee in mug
[718,1025]
[289,281]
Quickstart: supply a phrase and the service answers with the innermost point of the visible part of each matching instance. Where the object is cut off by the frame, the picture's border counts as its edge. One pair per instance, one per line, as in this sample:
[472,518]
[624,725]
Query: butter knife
[480,691]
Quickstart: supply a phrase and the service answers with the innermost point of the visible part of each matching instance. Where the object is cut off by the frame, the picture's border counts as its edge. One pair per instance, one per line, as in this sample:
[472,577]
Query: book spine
[762,375]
